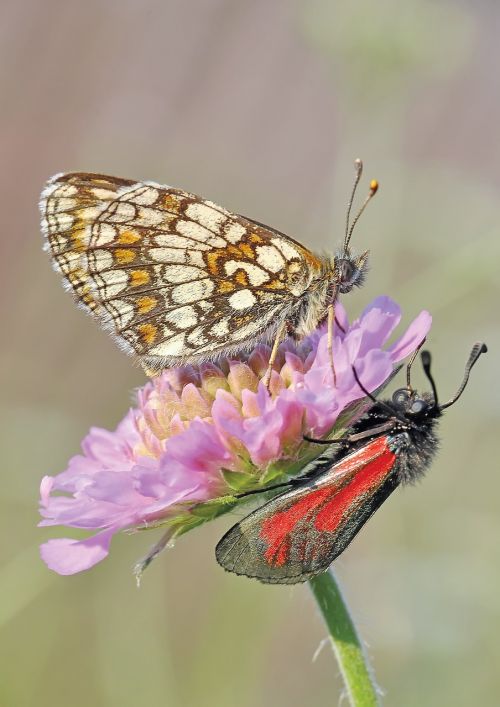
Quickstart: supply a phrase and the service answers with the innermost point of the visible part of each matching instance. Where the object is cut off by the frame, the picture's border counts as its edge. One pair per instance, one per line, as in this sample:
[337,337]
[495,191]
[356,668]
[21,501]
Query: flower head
[199,433]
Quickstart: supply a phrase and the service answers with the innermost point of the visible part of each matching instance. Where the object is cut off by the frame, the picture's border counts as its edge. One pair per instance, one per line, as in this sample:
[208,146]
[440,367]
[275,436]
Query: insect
[176,279]
[299,533]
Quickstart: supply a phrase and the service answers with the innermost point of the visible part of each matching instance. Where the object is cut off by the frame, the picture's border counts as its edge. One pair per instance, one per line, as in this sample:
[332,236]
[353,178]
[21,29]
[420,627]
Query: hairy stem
[352,659]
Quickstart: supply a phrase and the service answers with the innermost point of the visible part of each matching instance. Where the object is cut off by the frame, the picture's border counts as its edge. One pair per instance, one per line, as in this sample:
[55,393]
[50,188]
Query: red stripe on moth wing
[358,459]
[365,482]
[276,530]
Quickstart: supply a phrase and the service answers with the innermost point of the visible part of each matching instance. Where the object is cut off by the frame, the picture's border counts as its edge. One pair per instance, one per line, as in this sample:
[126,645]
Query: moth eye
[418,406]
[400,397]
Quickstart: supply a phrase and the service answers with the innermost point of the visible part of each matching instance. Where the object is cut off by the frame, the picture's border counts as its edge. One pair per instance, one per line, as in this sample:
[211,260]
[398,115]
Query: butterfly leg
[280,334]
[150,372]
[329,344]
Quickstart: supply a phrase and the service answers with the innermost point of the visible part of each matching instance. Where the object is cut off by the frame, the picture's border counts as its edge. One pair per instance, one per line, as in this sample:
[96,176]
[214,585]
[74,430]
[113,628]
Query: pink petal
[414,335]
[67,556]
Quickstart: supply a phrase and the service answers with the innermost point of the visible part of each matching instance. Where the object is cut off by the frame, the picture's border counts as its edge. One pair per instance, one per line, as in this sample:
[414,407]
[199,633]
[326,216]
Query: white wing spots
[60,222]
[248,330]
[146,196]
[243,299]
[206,216]
[123,312]
[195,258]
[149,217]
[167,333]
[167,255]
[172,347]
[182,318]
[120,212]
[193,230]
[256,275]
[69,261]
[111,282]
[175,241]
[234,232]
[205,306]
[182,273]
[100,259]
[286,248]
[103,194]
[270,258]
[192,291]
[220,329]
[197,337]
[89,213]
[61,203]
[105,234]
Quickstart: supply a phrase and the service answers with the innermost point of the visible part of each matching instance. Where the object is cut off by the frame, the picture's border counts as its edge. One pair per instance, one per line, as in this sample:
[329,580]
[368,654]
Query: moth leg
[357,437]
[280,335]
[329,345]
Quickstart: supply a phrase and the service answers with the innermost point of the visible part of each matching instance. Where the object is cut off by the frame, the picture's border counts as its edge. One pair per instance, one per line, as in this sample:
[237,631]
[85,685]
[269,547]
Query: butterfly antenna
[477,350]
[373,190]
[358,166]
[410,364]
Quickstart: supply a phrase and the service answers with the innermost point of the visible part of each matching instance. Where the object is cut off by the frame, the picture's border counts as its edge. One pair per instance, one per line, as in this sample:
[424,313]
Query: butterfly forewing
[298,534]
[174,278]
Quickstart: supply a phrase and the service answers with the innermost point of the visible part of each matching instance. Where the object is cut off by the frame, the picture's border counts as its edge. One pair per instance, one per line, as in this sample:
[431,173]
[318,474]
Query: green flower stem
[352,660]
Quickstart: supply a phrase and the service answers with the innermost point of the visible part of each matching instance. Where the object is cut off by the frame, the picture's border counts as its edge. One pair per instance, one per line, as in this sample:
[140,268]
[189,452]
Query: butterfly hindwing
[299,533]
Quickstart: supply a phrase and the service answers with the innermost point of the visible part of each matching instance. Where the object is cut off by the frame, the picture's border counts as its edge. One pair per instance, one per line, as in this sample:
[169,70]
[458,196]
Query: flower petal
[67,556]
[413,337]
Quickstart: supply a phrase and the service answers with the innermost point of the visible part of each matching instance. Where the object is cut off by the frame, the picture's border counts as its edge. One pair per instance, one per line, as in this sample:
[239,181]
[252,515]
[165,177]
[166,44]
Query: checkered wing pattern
[173,277]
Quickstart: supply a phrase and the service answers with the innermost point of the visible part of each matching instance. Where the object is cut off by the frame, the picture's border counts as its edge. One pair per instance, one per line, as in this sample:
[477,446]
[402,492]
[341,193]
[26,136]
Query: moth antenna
[477,350]
[358,166]
[410,364]
[426,359]
[387,408]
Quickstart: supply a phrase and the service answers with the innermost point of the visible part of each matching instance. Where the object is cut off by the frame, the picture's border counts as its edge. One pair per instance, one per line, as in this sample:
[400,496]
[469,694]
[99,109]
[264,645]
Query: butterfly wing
[173,277]
[298,534]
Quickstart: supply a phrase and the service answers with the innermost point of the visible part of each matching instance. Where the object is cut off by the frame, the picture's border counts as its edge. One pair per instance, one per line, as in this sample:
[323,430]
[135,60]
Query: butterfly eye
[346,271]
[400,397]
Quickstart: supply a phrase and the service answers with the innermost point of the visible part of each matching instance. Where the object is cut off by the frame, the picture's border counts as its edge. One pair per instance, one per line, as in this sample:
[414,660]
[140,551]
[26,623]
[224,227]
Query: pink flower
[197,434]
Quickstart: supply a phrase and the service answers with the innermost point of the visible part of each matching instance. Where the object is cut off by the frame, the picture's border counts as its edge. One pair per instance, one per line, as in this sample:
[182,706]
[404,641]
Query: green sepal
[238,480]
[211,509]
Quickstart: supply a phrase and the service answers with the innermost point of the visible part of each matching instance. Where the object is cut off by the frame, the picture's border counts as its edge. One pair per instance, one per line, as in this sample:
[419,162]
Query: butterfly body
[175,278]
[298,534]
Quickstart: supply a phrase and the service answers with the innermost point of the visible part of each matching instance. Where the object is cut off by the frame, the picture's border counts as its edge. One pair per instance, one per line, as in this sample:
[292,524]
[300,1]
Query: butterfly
[299,533]
[177,279]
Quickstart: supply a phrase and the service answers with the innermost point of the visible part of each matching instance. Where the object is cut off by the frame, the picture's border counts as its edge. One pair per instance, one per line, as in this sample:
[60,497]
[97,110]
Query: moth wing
[172,276]
[299,533]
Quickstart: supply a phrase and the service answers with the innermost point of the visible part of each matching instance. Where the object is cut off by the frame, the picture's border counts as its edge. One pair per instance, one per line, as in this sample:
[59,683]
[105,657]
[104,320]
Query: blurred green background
[262,107]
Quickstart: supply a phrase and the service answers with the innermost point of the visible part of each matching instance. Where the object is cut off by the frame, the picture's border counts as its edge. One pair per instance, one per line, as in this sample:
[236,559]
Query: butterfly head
[350,270]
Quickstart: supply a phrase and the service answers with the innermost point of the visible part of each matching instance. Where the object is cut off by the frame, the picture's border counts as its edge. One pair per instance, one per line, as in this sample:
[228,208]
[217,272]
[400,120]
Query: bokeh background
[261,106]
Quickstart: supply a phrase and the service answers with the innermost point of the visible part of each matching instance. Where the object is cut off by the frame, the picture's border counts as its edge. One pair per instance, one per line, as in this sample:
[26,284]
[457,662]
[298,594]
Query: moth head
[412,403]
[417,406]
